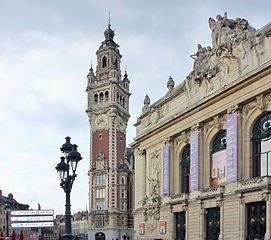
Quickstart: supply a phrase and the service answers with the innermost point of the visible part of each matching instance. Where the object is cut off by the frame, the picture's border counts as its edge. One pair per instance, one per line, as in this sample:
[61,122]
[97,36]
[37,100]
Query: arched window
[96,98]
[122,180]
[123,102]
[261,140]
[185,169]
[116,63]
[101,97]
[219,158]
[104,62]
[106,96]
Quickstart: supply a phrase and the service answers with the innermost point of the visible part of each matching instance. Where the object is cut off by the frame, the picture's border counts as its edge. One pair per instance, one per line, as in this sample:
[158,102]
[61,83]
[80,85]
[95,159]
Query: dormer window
[104,62]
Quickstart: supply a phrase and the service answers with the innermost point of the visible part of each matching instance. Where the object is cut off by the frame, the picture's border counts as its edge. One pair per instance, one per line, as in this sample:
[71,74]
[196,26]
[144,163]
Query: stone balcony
[253,184]
[210,192]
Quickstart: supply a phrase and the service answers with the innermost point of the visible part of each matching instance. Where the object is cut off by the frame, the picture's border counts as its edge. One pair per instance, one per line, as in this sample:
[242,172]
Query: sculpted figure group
[231,40]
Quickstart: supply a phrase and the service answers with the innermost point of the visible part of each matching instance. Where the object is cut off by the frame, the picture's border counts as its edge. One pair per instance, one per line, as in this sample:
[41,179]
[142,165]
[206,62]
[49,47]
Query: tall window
[219,158]
[104,62]
[100,193]
[99,221]
[261,140]
[185,169]
[100,205]
[106,95]
[101,179]
[96,98]
[101,97]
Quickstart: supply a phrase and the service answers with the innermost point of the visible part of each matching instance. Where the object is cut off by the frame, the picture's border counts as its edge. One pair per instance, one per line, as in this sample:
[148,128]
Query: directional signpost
[32,219]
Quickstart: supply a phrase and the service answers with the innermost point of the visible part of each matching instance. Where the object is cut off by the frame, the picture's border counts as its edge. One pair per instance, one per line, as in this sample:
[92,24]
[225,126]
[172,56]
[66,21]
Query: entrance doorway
[212,223]
[180,225]
[100,236]
[256,220]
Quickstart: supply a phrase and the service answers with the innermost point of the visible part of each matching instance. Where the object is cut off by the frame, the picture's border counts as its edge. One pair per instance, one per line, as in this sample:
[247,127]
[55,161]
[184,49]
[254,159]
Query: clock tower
[108,113]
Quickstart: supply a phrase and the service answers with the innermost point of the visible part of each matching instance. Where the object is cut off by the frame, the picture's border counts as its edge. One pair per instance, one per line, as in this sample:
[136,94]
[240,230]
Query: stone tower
[108,113]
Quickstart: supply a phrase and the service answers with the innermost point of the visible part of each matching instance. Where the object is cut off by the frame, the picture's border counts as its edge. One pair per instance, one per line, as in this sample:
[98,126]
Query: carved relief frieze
[154,176]
[261,103]
[183,138]
[151,216]
[217,122]
[232,109]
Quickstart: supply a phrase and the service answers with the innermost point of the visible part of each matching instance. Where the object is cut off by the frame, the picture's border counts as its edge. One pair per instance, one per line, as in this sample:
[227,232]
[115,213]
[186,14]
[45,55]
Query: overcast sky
[46,48]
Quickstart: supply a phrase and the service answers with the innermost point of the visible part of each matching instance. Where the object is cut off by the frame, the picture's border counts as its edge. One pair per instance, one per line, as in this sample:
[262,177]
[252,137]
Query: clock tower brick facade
[110,173]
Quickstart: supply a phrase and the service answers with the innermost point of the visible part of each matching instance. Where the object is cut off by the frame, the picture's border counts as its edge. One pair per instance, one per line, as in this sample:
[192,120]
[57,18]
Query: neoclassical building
[111,163]
[203,150]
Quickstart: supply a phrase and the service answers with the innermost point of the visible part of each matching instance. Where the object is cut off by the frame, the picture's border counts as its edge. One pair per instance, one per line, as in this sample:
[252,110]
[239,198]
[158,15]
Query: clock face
[101,120]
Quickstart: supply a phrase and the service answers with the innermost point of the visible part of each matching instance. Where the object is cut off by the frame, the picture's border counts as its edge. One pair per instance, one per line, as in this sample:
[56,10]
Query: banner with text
[194,162]
[232,148]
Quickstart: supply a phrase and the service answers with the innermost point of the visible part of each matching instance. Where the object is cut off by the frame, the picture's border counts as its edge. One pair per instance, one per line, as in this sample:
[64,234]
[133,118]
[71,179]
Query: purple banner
[166,170]
[194,161]
[232,148]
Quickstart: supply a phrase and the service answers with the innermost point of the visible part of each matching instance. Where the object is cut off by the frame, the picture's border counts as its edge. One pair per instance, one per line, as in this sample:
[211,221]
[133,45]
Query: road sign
[32,212]
[32,218]
[32,224]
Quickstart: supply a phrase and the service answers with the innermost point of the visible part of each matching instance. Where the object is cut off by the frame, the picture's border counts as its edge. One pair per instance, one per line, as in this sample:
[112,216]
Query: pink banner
[219,165]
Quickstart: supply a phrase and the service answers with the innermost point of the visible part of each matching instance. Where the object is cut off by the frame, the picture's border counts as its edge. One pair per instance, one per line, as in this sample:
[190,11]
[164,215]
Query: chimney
[10,196]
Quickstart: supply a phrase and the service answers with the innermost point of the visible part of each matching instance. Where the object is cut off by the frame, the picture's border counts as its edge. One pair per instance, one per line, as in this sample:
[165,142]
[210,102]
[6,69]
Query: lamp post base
[66,237]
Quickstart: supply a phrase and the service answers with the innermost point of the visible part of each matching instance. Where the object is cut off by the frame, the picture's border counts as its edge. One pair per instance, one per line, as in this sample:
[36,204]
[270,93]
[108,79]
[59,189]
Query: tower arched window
[123,180]
[219,158]
[104,62]
[261,140]
[101,97]
[106,96]
[123,102]
[185,169]
[96,98]
[116,63]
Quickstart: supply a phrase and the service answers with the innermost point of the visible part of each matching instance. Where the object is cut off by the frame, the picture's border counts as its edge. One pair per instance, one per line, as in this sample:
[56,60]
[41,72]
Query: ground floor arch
[99,236]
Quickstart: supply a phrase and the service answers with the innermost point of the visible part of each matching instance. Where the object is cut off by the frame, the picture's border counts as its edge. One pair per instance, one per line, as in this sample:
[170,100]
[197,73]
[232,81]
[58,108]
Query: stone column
[242,217]
[220,204]
[186,221]
[171,223]
[201,221]
[140,177]
[268,218]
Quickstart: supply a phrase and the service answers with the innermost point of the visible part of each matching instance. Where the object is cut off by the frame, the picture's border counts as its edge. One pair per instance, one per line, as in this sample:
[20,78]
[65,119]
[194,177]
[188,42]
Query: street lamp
[7,209]
[68,162]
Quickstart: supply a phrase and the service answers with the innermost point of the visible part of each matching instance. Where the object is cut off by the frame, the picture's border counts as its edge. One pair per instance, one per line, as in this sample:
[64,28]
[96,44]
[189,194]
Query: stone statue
[154,187]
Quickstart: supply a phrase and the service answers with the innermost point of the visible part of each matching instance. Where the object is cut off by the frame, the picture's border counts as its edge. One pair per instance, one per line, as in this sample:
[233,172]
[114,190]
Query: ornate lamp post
[66,169]
[7,209]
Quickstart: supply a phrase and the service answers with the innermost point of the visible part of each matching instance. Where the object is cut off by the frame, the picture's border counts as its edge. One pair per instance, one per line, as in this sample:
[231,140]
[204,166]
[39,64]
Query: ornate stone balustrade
[211,192]
[179,198]
[253,183]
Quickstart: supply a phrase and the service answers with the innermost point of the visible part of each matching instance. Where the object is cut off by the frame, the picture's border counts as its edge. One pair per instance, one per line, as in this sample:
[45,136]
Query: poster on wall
[166,170]
[194,162]
[219,167]
[232,148]
[162,227]
[141,228]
